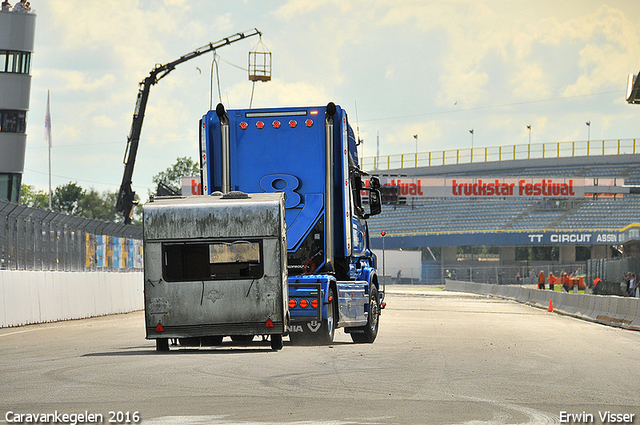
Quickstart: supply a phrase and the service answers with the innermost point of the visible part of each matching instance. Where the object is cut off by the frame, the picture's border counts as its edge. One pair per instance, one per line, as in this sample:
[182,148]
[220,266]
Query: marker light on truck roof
[314,303]
[277,124]
[276,114]
[304,303]
[244,125]
[293,303]
[260,125]
[293,124]
[308,123]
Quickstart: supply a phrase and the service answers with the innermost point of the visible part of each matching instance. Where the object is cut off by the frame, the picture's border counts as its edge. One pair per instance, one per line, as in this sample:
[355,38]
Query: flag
[47,123]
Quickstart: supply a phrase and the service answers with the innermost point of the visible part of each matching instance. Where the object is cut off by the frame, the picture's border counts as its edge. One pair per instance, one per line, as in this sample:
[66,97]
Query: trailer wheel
[369,332]
[162,344]
[276,342]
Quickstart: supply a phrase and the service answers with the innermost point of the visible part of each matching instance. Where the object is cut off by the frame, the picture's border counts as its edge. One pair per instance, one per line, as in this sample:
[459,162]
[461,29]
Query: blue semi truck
[309,154]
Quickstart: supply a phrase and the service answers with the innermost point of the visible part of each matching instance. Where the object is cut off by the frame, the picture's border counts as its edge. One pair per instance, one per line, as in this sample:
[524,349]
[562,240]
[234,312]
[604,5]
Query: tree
[172,176]
[30,197]
[72,199]
[67,198]
[95,205]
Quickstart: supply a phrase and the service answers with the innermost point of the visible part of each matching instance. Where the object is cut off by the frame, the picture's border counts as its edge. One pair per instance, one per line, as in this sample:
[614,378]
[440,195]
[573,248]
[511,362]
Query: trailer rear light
[277,124]
[159,328]
[308,123]
[304,303]
[269,324]
[314,303]
[293,124]
[292,303]
[244,125]
[259,125]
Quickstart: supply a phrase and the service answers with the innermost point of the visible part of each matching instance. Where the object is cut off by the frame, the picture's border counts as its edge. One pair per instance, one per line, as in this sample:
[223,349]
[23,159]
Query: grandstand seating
[420,215]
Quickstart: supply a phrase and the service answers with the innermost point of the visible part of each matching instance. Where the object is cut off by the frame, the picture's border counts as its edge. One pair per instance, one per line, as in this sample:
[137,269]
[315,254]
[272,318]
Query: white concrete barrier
[635,323]
[37,297]
[610,310]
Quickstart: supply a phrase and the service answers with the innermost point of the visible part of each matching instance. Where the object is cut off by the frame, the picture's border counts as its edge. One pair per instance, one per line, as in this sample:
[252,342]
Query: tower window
[13,121]
[15,62]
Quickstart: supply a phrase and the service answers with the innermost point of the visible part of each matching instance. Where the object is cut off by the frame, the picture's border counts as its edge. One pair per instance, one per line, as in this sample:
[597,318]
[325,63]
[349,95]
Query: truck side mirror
[375,202]
[375,182]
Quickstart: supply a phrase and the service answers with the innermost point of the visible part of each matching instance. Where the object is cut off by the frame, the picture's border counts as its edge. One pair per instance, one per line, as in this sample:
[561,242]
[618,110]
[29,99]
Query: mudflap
[309,305]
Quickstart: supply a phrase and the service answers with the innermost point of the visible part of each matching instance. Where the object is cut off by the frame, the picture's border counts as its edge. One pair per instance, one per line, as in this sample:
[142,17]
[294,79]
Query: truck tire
[368,333]
[327,330]
[162,344]
[276,342]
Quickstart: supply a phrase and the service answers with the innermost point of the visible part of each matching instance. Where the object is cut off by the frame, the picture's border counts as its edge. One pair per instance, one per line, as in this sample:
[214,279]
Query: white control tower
[17,31]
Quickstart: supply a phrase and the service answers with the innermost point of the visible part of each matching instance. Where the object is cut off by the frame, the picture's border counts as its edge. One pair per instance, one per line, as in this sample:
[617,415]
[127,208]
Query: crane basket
[260,63]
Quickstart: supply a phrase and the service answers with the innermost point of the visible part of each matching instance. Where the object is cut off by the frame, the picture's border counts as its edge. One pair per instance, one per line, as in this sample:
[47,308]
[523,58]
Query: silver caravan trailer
[215,266]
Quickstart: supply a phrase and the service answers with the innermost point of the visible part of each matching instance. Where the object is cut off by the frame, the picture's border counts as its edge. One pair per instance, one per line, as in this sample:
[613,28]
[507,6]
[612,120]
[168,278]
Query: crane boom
[126,195]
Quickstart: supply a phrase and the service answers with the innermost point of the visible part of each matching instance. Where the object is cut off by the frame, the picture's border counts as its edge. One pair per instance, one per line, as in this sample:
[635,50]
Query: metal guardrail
[36,239]
[502,153]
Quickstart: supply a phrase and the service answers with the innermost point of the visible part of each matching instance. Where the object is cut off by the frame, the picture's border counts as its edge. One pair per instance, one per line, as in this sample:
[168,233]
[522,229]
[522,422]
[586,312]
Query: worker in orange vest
[541,280]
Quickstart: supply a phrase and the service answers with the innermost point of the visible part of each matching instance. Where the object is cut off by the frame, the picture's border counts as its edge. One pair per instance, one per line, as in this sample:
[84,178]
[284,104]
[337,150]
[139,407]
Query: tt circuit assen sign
[488,187]
[509,238]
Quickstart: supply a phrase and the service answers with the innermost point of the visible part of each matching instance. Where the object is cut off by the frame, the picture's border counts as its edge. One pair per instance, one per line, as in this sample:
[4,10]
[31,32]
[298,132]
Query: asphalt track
[440,358]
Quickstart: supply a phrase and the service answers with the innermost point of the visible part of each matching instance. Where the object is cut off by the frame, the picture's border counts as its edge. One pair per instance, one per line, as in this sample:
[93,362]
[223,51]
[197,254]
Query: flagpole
[47,135]
[50,209]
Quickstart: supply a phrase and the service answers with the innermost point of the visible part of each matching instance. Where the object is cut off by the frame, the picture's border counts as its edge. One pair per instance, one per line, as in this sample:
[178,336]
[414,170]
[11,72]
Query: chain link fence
[435,273]
[36,239]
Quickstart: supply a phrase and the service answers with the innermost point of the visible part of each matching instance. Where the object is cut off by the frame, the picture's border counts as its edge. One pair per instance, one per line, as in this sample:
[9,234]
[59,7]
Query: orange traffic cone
[551,305]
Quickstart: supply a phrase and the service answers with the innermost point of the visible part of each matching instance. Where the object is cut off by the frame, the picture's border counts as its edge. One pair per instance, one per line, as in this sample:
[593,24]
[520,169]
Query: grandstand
[603,218]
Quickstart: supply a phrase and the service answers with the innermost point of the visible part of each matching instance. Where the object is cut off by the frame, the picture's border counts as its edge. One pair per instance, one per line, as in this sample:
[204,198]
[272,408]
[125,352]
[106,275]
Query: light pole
[529,127]
[588,131]
[384,283]
[471,131]
[415,136]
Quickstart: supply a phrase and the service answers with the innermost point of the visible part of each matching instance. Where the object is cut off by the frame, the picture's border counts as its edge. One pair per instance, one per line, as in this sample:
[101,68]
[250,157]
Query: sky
[435,69]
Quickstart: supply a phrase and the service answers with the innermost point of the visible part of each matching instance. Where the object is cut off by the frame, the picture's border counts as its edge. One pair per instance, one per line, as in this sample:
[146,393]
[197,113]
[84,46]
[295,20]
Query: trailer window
[212,261]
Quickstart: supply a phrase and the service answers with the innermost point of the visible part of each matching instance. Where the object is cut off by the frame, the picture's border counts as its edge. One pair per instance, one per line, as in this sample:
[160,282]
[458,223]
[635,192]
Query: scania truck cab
[309,154]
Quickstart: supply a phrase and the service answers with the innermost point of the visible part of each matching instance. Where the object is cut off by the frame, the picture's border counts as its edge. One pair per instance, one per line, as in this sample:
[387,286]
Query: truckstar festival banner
[488,187]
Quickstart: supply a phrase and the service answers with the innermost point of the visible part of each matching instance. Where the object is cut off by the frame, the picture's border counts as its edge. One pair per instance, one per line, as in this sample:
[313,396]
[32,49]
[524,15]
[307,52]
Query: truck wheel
[276,342]
[328,328]
[162,344]
[369,332]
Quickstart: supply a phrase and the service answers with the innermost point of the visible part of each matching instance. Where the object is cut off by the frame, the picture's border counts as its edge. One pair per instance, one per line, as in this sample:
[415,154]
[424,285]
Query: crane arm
[126,195]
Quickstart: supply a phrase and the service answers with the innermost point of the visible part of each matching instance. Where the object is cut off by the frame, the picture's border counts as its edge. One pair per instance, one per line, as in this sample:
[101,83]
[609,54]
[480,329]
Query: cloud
[69,81]
[103,121]
[610,46]
[276,93]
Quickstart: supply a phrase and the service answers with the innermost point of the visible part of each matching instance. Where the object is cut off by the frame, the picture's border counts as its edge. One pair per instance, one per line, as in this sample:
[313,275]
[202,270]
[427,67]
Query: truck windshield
[217,260]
